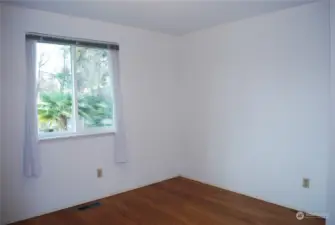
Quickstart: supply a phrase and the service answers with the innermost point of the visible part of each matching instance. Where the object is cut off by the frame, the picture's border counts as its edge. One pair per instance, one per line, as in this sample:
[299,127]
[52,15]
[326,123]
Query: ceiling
[166,16]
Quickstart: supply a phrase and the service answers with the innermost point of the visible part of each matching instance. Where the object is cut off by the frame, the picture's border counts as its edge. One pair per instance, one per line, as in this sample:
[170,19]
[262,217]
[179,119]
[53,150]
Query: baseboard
[249,196]
[166,179]
[86,202]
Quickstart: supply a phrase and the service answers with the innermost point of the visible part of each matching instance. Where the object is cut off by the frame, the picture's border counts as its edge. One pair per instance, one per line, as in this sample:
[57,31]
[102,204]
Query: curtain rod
[71,41]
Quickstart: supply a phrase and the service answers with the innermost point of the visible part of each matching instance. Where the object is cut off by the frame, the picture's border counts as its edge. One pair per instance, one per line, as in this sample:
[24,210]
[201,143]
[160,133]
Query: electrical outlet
[99,173]
[305,182]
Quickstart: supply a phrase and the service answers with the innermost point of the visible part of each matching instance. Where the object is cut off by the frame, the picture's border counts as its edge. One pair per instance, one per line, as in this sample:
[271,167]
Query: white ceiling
[171,17]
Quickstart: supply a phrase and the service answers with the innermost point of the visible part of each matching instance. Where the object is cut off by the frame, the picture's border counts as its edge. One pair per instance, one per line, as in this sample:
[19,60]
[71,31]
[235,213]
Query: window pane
[54,83]
[94,88]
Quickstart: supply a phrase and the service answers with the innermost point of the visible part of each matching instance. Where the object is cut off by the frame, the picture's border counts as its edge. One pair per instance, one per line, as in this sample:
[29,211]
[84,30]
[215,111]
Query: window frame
[42,136]
[70,134]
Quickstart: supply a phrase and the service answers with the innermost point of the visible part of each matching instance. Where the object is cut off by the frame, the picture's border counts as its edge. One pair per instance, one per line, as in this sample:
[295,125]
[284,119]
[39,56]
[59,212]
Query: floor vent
[88,206]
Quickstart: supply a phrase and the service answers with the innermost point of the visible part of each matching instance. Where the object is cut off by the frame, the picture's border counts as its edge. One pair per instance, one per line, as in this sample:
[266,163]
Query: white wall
[150,85]
[331,173]
[258,106]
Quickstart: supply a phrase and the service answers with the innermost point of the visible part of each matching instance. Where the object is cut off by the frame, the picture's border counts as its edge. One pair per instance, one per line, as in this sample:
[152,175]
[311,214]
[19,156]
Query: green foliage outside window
[55,88]
[55,110]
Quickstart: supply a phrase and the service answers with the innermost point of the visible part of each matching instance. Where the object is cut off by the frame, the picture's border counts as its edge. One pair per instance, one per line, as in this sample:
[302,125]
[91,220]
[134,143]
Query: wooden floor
[178,201]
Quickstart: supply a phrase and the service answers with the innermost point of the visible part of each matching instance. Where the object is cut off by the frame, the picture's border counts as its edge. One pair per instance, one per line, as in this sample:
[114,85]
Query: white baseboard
[323,215]
[90,200]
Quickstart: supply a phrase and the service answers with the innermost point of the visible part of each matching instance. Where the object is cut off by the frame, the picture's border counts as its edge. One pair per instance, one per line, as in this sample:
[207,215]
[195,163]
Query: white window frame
[75,132]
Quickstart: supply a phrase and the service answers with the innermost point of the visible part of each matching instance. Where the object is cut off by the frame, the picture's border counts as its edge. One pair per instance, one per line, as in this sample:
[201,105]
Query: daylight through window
[74,90]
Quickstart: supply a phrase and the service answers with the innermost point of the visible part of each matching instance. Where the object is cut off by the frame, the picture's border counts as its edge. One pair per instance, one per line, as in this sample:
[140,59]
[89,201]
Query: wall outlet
[305,182]
[99,173]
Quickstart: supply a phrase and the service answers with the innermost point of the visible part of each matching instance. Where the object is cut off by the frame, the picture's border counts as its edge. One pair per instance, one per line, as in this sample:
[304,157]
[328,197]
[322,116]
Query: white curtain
[120,148]
[31,159]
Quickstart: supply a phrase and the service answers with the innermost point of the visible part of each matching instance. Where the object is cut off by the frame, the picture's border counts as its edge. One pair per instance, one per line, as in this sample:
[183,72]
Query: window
[74,90]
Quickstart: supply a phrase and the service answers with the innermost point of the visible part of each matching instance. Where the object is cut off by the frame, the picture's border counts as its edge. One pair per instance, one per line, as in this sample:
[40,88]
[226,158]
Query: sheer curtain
[120,148]
[31,158]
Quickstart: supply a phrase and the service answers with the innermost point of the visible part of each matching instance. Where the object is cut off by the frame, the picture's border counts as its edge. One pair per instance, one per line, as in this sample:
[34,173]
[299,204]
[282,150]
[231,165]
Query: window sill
[67,135]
